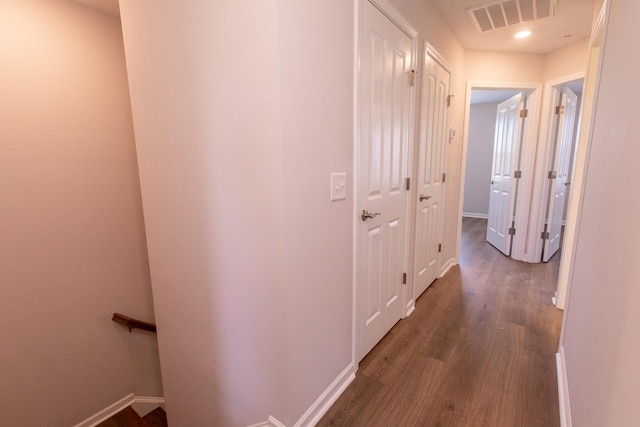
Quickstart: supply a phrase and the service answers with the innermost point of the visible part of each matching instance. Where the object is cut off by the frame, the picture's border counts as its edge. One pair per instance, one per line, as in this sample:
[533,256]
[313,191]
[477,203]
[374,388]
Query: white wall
[601,331]
[482,125]
[566,61]
[504,67]
[316,89]
[242,112]
[73,247]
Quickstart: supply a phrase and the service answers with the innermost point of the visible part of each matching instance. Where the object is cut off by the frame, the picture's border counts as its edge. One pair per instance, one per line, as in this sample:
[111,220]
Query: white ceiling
[573,19]
[571,23]
[483,96]
[110,7]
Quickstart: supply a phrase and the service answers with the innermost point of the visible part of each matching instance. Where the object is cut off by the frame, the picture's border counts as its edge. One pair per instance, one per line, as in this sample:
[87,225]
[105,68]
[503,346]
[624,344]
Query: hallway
[478,351]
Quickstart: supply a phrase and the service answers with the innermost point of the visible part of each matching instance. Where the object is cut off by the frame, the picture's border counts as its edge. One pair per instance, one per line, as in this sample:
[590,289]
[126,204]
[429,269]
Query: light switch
[338,186]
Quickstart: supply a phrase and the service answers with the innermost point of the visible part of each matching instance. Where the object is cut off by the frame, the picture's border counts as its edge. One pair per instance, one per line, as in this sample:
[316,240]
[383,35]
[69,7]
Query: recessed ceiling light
[522,34]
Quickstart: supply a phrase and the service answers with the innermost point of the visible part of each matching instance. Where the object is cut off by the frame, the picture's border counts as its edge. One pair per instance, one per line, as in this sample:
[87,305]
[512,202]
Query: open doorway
[566,99]
[496,130]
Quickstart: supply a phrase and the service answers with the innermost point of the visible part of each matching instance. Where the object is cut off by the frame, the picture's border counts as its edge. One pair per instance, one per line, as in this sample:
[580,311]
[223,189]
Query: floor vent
[500,14]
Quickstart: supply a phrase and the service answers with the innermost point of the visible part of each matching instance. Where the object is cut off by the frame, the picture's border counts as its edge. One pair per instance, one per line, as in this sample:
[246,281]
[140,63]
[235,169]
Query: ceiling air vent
[499,14]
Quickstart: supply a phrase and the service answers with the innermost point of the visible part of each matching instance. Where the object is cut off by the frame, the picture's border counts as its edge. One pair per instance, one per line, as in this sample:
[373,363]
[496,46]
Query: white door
[506,154]
[434,123]
[384,128]
[561,166]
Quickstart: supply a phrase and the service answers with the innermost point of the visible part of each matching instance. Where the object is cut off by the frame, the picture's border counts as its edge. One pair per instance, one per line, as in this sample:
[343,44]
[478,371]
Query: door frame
[396,17]
[580,163]
[527,162]
[540,196]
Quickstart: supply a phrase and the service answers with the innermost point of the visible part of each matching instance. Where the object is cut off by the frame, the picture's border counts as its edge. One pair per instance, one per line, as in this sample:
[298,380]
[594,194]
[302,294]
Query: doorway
[481,120]
[565,102]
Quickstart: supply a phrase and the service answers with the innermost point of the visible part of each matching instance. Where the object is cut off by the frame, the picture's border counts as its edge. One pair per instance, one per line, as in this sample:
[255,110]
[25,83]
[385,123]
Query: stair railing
[133,323]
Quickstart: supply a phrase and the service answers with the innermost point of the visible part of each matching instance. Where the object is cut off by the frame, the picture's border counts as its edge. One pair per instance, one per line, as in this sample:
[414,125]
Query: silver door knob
[366,215]
[423,197]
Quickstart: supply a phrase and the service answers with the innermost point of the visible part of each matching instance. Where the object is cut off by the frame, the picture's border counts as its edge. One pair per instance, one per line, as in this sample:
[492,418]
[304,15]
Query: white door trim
[394,16]
[528,154]
[540,194]
[574,207]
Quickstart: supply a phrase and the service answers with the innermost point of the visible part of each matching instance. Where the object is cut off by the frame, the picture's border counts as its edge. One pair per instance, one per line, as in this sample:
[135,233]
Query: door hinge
[524,113]
[404,278]
[552,175]
[408,184]
[439,247]
[412,78]
[545,235]
[449,100]
[517,174]
[512,231]
[560,109]
[444,178]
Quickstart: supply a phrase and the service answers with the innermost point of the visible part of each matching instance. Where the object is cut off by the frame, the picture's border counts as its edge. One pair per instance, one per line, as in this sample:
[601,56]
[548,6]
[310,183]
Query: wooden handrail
[133,323]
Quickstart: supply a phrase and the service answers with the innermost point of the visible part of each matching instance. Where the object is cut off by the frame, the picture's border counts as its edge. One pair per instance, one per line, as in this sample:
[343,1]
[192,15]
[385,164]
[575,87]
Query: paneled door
[434,128]
[384,103]
[506,153]
[561,164]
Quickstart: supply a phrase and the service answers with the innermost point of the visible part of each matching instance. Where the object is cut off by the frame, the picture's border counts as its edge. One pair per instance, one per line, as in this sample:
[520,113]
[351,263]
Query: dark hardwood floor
[478,351]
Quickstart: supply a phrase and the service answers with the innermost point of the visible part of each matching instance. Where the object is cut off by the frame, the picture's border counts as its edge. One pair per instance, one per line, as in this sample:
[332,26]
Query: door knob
[423,197]
[366,215]
[567,183]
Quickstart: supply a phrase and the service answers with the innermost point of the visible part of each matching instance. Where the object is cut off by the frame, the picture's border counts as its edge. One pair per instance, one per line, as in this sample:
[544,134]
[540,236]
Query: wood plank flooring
[478,351]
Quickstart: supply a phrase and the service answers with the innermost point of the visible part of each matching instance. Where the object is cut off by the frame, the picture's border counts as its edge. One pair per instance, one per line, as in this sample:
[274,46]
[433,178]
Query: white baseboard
[107,412]
[321,405]
[475,215]
[271,422]
[143,402]
[327,398]
[447,266]
[411,309]
[563,389]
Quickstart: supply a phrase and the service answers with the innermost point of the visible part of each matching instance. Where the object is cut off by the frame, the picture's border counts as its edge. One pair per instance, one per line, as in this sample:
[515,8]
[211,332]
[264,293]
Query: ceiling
[572,23]
[110,7]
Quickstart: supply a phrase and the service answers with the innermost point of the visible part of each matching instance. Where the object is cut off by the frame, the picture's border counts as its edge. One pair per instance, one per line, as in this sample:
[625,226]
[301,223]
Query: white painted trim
[528,154]
[107,412]
[114,408]
[448,265]
[574,207]
[563,389]
[475,215]
[145,404]
[356,174]
[396,17]
[412,308]
[273,422]
[327,398]
[436,56]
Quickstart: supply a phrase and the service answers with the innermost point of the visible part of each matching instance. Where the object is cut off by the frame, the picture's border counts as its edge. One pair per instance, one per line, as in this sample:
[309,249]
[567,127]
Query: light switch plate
[338,186]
